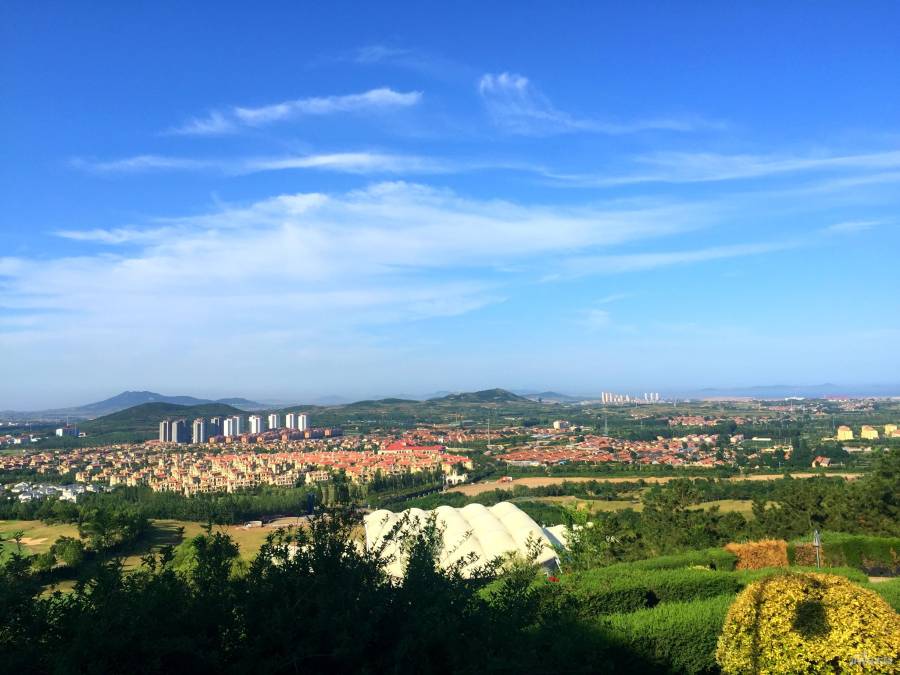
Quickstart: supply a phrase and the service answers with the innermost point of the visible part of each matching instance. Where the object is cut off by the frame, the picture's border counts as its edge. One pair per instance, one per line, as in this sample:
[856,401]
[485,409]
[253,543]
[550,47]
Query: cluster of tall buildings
[866,432]
[201,430]
[610,397]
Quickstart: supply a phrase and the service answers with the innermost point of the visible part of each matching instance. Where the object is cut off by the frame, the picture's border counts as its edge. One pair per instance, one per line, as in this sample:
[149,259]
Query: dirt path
[535,481]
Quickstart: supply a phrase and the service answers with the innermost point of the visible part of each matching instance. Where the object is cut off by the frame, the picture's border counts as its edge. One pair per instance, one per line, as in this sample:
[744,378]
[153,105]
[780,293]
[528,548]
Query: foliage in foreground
[312,601]
[809,623]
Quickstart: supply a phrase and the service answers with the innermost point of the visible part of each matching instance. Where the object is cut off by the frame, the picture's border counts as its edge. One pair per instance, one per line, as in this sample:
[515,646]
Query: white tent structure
[488,532]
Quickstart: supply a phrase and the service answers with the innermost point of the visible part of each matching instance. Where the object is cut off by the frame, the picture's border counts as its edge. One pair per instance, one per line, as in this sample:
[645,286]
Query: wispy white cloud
[639,262]
[115,236]
[697,167]
[379,251]
[595,319]
[852,226]
[343,162]
[358,162]
[373,100]
[378,53]
[142,164]
[223,122]
[214,124]
[306,279]
[613,297]
[516,105]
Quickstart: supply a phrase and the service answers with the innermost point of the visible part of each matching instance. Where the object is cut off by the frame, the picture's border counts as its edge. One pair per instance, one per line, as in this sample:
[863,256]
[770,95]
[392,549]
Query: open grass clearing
[36,536]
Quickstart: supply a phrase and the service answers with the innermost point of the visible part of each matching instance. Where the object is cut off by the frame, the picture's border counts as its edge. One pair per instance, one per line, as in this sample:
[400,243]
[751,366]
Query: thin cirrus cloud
[704,167]
[342,162]
[517,106]
[852,226]
[578,266]
[223,122]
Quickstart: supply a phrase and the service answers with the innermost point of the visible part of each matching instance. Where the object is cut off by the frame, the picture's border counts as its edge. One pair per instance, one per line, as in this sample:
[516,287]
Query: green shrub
[678,637]
[809,623]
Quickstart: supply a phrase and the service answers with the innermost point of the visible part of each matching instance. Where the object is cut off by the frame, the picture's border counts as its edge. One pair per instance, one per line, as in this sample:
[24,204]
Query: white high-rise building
[290,421]
[200,434]
[179,431]
[257,426]
[274,422]
[302,421]
[239,426]
[228,427]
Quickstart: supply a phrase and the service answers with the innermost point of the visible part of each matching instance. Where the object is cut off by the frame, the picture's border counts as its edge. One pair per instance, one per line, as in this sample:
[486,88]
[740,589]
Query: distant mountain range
[123,401]
[141,422]
[130,399]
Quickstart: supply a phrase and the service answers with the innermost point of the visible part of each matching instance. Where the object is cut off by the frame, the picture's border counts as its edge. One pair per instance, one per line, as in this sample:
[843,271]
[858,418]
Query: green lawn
[38,537]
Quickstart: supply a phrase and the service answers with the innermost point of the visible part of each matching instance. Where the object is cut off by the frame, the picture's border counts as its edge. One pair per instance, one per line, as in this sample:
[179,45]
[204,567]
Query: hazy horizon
[358,202]
[882,389]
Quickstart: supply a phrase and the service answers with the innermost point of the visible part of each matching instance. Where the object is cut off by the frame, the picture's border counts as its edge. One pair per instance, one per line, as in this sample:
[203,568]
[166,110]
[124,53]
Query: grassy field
[38,537]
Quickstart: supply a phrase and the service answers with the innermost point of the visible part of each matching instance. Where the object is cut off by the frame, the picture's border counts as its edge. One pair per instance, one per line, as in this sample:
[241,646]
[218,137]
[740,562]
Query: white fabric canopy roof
[486,531]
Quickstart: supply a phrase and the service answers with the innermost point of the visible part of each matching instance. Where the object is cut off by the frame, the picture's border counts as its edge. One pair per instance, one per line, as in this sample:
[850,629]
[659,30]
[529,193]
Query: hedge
[606,591]
[713,558]
[876,555]
[677,637]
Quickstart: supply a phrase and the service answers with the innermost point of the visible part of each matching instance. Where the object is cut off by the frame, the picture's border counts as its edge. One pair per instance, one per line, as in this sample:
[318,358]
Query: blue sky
[369,199]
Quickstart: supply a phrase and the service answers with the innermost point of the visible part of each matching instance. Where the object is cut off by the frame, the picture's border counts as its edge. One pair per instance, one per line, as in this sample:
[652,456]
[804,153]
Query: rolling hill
[124,401]
[483,396]
[142,421]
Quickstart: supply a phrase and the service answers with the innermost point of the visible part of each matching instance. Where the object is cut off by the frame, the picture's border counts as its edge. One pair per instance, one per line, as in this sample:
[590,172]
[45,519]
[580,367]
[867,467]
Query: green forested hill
[141,422]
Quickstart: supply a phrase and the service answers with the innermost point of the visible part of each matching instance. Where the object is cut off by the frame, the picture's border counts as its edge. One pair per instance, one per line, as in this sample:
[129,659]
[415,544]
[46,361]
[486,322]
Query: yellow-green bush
[809,623]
